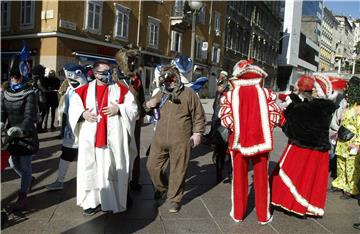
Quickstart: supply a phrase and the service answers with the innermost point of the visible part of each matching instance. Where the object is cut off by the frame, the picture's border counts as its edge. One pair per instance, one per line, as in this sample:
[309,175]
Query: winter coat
[307,123]
[19,108]
[178,121]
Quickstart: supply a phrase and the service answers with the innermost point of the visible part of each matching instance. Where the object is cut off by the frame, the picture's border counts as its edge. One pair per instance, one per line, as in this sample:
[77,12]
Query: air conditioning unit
[217,32]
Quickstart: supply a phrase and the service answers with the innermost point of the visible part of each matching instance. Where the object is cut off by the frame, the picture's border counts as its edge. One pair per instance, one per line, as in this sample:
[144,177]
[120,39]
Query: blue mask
[105,76]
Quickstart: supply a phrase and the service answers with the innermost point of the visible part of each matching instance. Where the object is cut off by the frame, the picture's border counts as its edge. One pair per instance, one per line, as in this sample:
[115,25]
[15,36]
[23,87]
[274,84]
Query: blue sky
[344,7]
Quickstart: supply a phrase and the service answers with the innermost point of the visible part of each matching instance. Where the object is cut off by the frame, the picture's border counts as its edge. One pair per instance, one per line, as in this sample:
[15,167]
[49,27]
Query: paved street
[205,209]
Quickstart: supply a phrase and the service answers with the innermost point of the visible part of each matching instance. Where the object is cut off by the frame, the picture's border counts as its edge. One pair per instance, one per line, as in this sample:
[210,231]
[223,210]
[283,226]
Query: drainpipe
[138,26]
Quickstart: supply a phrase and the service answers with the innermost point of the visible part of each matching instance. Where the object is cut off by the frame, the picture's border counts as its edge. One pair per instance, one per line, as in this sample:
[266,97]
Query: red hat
[245,70]
[305,83]
[338,83]
[323,86]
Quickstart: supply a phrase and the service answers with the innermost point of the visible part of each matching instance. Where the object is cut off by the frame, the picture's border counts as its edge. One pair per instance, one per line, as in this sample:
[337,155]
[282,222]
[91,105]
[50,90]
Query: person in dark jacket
[218,135]
[19,117]
[53,85]
[300,180]
[38,83]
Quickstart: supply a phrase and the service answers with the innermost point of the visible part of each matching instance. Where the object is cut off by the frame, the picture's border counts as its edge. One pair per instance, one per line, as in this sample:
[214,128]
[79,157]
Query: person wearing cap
[300,179]
[347,150]
[218,134]
[102,116]
[180,125]
[19,118]
[251,113]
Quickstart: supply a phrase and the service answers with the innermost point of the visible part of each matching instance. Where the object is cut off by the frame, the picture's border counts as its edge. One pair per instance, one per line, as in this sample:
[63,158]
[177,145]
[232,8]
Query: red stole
[102,93]
[102,101]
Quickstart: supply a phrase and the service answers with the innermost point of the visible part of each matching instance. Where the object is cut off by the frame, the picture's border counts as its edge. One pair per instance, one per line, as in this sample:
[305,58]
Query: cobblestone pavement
[205,209]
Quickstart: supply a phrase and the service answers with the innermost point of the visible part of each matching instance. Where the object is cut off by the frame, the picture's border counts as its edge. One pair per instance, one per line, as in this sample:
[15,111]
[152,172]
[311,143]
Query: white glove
[15,132]
[195,139]
[111,110]
[89,116]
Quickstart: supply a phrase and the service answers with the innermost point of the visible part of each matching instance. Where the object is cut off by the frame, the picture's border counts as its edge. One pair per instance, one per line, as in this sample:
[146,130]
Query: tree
[357,48]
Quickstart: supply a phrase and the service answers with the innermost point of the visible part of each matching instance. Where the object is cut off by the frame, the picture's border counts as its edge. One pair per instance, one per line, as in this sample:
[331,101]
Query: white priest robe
[103,173]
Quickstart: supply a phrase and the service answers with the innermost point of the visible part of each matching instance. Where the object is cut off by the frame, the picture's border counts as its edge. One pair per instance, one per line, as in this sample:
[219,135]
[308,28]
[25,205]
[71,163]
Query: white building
[345,43]
[298,53]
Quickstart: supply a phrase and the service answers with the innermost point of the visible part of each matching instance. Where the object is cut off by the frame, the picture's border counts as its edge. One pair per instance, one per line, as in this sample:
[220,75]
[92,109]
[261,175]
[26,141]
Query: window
[176,40]
[27,12]
[153,32]
[122,22]
[93,16]
[200,17]
[217,24]
[201,49]
[5,15]
[198,48]
[215,58]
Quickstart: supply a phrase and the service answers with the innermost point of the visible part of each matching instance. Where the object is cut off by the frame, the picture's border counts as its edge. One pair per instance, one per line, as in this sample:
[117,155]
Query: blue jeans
[22,166]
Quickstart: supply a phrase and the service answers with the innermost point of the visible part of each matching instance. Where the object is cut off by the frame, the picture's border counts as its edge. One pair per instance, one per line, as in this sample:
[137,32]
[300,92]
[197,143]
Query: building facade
[58,32]
[300,40]
[345,44]
[252,31]
[328,41]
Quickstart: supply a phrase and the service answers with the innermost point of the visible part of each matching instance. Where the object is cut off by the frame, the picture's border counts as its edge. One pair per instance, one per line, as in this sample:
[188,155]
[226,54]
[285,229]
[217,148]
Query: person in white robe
[102,116]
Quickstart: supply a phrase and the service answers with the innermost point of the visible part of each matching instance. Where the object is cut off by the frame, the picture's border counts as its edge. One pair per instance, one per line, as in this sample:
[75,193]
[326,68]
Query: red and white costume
[300,179]
[105,147]
[250,112]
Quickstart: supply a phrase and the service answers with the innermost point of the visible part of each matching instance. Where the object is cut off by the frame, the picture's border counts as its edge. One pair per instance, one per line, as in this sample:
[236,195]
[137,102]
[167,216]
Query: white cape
[103,173]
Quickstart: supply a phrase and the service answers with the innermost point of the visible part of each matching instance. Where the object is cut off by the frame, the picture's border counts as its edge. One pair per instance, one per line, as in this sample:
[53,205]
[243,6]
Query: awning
[93,57]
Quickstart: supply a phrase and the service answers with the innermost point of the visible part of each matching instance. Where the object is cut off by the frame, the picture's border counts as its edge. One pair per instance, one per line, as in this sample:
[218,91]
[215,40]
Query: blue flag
[24,66]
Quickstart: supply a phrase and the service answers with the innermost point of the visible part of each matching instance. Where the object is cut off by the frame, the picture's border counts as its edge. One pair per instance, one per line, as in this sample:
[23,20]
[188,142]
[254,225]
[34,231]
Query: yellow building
[58,32]
[329,26]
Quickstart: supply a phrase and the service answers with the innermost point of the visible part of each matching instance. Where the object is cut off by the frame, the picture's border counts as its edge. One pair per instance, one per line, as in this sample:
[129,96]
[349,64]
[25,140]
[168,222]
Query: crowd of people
[102,109]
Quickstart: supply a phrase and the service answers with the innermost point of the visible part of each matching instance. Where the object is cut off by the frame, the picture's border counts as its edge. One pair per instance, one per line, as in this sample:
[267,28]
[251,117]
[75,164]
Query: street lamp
[195,6]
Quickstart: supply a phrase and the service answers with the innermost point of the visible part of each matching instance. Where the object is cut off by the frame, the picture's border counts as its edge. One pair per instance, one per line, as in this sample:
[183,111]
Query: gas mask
[105,76]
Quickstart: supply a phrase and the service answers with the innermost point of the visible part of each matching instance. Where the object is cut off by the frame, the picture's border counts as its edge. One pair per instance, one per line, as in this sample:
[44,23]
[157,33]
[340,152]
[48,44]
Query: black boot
[21,202]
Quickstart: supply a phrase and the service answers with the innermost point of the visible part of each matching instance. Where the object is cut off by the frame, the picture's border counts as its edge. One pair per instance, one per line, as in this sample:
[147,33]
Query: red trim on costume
[123,92]
[82,92]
